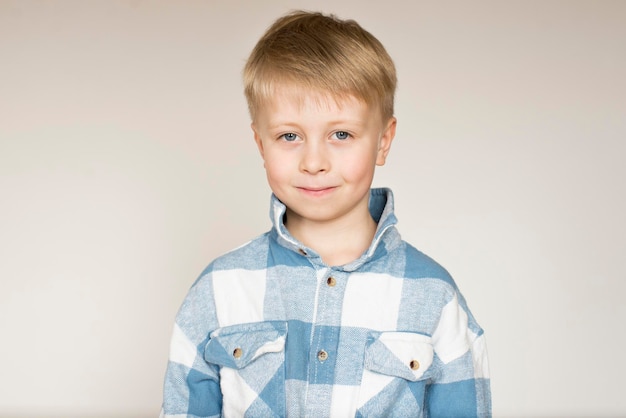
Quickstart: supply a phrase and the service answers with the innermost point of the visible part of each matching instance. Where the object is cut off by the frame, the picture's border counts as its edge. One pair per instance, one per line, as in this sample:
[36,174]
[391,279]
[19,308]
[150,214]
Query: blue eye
[290,137]
[341,135]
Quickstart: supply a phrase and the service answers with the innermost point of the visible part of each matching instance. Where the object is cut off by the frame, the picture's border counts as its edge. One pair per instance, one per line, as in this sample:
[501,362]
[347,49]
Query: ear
[257,139]
[384,144]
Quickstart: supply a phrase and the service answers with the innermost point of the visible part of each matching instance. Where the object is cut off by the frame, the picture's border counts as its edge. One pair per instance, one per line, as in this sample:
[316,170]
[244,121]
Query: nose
[314,158]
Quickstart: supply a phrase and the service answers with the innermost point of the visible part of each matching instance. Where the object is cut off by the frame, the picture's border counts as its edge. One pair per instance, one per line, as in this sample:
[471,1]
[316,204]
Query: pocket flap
[403,354]
[236,346]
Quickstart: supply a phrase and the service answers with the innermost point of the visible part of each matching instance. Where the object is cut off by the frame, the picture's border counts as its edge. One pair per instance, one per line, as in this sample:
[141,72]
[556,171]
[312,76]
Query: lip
[317,191]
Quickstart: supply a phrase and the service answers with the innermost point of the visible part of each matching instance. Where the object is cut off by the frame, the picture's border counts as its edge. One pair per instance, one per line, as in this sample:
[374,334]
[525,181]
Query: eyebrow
[335,122]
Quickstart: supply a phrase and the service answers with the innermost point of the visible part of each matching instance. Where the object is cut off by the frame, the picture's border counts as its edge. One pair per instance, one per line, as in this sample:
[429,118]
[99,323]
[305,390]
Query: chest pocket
[397,366]
[252,367]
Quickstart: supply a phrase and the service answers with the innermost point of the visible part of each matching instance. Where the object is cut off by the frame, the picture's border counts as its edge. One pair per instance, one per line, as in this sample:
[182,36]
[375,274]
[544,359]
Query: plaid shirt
[269,330]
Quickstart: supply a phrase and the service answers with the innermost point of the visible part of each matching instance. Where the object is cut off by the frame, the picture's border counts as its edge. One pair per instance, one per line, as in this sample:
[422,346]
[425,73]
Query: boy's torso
[276,332]
[296,337]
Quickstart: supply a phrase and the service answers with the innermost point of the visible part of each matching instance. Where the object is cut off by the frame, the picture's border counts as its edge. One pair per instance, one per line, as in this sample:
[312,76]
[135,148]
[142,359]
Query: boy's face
[320,154]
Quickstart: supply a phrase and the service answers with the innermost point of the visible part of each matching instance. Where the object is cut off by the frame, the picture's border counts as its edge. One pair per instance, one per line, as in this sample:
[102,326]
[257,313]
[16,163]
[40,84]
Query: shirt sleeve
[461,388]
[192,387]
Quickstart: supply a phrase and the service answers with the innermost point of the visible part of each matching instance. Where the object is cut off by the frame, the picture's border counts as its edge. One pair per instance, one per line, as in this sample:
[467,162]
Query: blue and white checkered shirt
[269,330]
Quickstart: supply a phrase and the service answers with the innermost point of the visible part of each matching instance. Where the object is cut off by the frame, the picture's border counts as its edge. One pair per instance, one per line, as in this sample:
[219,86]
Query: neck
[338,242]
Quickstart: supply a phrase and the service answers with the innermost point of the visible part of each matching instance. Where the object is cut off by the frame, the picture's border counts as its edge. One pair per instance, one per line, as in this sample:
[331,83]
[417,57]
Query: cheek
[360,166]
[276,168]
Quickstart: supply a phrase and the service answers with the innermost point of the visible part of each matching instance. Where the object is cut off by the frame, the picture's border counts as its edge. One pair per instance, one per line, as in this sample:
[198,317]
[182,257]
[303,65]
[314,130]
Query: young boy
[330,313]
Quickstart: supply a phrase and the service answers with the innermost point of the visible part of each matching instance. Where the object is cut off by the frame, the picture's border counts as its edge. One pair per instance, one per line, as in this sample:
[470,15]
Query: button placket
[325,337]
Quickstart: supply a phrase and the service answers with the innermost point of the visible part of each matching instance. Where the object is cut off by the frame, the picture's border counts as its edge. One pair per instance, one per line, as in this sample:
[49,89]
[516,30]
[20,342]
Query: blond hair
[312,51]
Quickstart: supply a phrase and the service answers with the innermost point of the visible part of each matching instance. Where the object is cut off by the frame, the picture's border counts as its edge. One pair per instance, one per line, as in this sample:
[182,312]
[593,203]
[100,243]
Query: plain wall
[127,164]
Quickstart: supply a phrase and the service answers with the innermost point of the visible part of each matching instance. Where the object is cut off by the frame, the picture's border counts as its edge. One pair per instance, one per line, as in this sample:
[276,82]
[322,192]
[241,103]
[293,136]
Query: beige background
[127,164]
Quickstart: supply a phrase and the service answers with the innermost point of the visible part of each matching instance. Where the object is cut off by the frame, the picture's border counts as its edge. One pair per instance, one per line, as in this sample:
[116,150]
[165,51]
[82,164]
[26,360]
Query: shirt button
[331,281]
[301,251]
[237,352]
[322,355]
[414,364]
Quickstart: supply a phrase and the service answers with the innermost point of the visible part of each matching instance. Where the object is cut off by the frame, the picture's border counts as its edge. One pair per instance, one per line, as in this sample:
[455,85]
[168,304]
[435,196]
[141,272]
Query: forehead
[299,99]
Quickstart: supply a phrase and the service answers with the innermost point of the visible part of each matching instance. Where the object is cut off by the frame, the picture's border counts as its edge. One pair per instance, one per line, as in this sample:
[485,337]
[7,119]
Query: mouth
[317,191]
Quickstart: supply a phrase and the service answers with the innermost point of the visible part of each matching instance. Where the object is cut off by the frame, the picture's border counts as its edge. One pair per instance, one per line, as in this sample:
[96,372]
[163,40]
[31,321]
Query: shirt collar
[381,207]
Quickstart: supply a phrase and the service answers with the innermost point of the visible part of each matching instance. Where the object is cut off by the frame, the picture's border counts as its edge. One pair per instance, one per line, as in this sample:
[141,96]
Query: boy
[329,313]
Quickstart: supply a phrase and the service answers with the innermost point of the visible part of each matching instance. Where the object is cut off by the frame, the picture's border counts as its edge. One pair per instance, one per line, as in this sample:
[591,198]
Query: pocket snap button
[414,364]
[237,352]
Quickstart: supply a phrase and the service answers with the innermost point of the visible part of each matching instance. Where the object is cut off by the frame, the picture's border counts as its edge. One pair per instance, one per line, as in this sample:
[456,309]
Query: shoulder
[420,265]
[198,314]
[249,256]
[417,265]
[415,268]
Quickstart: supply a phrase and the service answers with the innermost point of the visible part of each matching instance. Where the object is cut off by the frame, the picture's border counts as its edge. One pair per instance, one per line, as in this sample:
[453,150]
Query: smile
[316,191]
